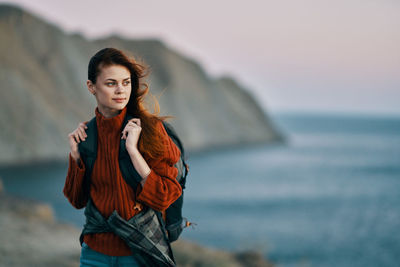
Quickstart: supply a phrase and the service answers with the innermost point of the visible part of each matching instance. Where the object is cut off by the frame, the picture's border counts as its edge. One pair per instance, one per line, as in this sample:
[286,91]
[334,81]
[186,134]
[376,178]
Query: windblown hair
[150,141]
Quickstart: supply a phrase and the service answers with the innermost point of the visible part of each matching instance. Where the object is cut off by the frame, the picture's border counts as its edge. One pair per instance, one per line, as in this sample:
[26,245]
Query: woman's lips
[119,100]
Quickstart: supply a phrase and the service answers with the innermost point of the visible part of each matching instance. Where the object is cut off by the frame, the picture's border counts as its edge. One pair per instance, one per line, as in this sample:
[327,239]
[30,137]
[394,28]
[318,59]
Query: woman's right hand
[76,137]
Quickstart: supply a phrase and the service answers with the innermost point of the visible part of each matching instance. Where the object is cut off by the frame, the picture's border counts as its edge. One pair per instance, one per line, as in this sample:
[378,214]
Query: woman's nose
[119,88]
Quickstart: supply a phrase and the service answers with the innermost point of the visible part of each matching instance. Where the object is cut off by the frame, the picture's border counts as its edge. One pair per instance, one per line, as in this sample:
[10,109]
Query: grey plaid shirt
[142,233]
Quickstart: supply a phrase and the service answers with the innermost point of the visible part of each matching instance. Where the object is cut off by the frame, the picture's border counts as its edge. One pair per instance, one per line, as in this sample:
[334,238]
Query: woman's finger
[84,124]
[124,132]
[135,120]
[76,136]
[82,130]
[72,137]
[133,125]
[81,134]
[130,126]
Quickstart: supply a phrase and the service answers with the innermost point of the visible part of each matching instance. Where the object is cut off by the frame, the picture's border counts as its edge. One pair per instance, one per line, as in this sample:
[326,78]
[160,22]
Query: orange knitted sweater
[110,192]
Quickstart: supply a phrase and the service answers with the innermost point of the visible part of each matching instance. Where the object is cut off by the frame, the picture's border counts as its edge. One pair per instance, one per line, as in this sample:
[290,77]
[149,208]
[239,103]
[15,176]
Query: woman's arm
[159,187]
[73,188]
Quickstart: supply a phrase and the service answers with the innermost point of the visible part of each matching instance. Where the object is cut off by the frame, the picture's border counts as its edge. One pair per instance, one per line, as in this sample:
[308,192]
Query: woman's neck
[107,112]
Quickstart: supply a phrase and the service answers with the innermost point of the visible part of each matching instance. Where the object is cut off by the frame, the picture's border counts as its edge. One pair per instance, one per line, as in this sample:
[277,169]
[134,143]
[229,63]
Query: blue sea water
[330,196]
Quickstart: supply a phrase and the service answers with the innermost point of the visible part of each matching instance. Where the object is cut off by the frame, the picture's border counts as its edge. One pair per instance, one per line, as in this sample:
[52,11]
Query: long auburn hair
[150,142]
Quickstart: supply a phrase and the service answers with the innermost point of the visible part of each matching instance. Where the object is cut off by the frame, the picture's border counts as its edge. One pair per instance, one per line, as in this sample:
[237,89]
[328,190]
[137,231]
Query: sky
[338,56]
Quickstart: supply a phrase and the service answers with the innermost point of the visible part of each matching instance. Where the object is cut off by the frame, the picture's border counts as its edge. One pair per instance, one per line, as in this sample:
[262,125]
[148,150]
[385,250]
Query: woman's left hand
[131,133]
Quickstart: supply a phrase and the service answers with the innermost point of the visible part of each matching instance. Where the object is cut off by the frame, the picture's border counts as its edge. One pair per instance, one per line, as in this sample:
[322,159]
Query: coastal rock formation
[43,73]
[33,236]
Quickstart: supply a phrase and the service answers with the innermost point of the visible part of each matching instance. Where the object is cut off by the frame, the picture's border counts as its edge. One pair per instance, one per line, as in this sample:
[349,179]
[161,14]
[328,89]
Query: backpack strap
[88,152]
[129,173]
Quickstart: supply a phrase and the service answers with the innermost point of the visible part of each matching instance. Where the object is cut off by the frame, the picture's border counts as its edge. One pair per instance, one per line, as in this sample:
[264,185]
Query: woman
[115,81]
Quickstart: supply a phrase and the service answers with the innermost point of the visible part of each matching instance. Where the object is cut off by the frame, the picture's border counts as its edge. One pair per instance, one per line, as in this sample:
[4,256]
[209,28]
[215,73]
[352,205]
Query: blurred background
[289,111]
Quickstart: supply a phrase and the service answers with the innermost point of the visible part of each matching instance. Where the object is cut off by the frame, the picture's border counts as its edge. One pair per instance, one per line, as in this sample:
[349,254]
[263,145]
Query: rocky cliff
[43,95]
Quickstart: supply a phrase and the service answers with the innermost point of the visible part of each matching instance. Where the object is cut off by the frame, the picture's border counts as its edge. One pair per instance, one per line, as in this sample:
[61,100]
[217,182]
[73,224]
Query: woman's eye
[127,82]
[110,83]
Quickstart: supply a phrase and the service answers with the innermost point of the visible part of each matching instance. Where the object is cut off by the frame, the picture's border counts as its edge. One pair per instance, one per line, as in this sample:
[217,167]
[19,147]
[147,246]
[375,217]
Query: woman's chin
[118,106]
[112,108]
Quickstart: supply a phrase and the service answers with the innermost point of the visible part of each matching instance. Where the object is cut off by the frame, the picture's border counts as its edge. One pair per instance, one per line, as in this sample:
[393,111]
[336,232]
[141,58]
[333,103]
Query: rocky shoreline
[32,237]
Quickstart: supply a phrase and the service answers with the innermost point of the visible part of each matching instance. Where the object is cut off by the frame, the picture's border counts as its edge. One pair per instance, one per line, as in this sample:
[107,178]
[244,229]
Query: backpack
[174,223]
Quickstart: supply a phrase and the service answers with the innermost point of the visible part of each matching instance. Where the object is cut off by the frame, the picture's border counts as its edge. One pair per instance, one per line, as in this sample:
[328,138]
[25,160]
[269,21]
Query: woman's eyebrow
[116,80]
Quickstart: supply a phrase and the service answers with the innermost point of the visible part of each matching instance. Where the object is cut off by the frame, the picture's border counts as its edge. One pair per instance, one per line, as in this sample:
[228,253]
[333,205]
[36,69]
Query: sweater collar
[110,125]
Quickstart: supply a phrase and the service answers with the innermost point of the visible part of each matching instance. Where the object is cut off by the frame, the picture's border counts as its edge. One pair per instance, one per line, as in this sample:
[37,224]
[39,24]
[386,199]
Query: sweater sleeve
[161,188]
[73,189]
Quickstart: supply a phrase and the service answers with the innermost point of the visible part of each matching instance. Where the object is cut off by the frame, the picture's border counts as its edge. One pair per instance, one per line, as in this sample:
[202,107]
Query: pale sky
[297,55]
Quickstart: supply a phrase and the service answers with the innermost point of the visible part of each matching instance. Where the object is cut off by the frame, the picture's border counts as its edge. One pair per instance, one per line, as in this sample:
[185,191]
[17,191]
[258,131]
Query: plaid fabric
[142,232]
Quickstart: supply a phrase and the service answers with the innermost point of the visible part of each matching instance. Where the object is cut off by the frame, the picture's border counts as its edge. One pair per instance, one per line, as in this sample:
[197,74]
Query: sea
[328,196]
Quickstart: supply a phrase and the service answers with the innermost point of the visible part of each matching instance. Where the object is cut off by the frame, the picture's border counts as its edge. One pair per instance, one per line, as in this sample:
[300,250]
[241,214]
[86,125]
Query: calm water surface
[329,197]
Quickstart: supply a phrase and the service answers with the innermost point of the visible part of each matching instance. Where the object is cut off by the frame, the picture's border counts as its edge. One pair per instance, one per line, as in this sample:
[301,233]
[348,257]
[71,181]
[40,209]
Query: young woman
[115,80]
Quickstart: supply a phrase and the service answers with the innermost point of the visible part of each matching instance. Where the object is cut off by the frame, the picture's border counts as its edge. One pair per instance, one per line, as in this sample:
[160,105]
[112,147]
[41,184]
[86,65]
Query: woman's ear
[90,87]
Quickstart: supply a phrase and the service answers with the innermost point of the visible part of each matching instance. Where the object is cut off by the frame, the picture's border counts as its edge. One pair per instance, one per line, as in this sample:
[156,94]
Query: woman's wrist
[75,156]
[139,163]
[132,151]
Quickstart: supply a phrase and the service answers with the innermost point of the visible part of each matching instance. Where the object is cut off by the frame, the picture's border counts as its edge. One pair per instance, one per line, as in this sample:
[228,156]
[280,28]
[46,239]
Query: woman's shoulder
[158,122]
[160,126]
[172,151]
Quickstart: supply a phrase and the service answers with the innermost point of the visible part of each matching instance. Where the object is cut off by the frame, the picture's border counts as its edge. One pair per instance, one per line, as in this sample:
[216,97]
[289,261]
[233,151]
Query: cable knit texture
[110,192]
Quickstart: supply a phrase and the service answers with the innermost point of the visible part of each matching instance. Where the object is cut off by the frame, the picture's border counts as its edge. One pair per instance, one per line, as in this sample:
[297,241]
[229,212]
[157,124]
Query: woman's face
[112,89]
